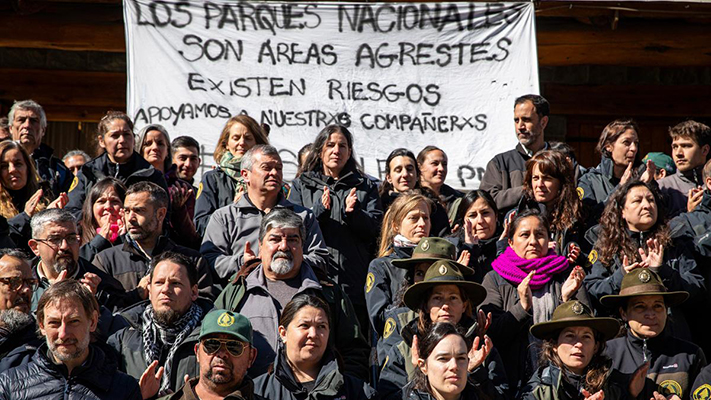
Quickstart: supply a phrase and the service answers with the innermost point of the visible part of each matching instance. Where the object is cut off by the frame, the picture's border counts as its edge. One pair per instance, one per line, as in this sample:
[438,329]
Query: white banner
[396,74]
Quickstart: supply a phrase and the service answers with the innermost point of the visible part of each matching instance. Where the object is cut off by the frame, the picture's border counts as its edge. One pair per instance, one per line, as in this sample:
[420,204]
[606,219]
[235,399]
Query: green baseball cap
[661,161]
[224,321]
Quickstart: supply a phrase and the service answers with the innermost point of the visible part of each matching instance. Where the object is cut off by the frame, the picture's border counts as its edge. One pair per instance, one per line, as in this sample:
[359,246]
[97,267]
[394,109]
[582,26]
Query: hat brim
[414,294]
[607,327]
[671,299]
[406,263]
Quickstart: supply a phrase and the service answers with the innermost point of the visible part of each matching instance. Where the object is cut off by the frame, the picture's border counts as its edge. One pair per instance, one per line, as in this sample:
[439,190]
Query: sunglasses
[17,283]
[234,347]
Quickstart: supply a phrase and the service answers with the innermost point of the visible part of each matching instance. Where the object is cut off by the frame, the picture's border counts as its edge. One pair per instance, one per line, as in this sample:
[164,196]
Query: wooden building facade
[598,60]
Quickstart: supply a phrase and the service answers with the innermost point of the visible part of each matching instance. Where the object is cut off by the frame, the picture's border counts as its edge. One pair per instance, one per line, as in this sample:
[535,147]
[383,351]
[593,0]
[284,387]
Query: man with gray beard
[17,326]
[55,241]
[266,284]
[145,208]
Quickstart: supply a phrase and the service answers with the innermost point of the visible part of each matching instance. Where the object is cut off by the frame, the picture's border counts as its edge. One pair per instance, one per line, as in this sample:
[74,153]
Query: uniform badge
[644,276]
[74,184]
[670,387]
[578,308]
[703,392]
[199,191]
[389,328]
[581,192]
[369,282]
[225,320]
[443,270]
[592,257]
[425,245]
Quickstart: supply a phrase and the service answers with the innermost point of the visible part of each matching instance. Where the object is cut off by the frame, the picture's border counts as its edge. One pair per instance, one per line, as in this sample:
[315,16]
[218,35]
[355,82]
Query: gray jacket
[232,226]
[675,189]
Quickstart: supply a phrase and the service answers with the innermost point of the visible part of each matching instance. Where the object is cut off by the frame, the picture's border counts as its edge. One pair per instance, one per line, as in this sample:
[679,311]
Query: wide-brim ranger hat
[432,249]
[643,282]
[443,272]
[228,322]
[573,313]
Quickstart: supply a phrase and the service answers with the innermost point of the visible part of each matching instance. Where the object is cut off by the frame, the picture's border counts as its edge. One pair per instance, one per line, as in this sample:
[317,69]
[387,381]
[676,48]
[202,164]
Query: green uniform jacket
[546,385]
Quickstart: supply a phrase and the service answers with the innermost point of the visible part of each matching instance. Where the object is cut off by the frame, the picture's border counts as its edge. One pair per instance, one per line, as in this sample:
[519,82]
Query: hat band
[429,255]
[447,278]
[643,289]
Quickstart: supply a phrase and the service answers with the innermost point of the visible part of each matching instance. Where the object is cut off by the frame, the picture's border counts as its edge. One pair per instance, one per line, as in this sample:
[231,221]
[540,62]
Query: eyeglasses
[18,283]
[56,241]
[234,347]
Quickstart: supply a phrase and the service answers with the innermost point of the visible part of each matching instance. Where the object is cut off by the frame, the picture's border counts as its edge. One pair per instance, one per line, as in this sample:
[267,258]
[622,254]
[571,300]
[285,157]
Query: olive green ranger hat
[431,249]
[574,313]
[443,272]
[224,321]
[643,282]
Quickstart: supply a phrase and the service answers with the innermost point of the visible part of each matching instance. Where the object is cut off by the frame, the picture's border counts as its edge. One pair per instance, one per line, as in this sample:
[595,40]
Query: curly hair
[596,372]
[614,239]
[567,208]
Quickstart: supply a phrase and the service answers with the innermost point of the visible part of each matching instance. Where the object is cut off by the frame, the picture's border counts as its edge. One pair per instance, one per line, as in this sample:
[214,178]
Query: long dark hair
[427,342]
[614,239]
[88,225]
[566,209]
[313,161]
[466,202]
[596,372]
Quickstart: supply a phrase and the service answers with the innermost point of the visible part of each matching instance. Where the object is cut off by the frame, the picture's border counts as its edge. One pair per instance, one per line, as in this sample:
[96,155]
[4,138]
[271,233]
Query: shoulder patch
[74,184]
[703,392]
[669,387]
[387,358]
[369,282]
[389,328]
[592,257]
[199,191]
[581,192]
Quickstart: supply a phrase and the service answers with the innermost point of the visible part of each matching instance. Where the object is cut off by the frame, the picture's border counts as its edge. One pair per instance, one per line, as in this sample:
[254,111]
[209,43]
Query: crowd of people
[122,277]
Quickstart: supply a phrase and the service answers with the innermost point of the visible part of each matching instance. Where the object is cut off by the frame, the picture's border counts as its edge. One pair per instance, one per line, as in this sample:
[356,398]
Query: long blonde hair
[402,205]
[7,208]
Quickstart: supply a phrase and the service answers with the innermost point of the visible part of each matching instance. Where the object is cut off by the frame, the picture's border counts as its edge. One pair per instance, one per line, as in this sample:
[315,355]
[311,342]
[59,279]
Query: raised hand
[469,237]
[654,256]
[326,198]
[248,254]
[31,204]
[695,196]
[351,200]
[648,175]
[573,252]
[464,258]
[638,378]
[597,396]
[60,201]
[150,380]
[91,282]
[627,175]
[478,354]
[507,225]
[627,267]
[524,292]
[573,283]
[483,323]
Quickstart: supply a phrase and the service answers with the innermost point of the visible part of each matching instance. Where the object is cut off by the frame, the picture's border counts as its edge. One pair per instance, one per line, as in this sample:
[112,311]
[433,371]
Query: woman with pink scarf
[528,281]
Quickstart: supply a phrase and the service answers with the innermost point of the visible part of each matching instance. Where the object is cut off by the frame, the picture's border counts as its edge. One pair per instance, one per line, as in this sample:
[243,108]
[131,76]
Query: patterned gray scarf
[179,330]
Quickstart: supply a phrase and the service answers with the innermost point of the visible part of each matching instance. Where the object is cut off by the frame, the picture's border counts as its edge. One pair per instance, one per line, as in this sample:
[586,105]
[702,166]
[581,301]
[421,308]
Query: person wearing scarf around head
[222,185]
[527,283]
[669,363]
[573,363]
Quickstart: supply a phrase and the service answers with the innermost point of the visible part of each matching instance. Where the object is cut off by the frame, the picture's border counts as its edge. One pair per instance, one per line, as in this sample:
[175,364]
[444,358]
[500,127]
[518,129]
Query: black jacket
[96,245]
[5,241]
[675,363]
[504,176]
[383,282]
[350,237]
[549,383]
[11,340]
[128,342]
[438,219]
[43,379]
[216,190]
[52,170]
[510,324]
[481,254]
[137,169]
[128,265]
[109,292]
[471,392]
[331,383]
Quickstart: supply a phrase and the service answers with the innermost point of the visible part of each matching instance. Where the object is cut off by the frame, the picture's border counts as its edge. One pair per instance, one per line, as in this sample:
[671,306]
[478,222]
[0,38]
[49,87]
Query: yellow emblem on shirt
[389,328]
[74,184]
[592,257]
[581,192]
[670,387]
[199,191]
[703,392]
[369,282]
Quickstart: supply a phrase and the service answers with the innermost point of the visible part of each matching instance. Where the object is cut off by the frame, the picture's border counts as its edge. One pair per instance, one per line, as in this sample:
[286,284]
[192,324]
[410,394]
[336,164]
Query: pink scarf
[515,269]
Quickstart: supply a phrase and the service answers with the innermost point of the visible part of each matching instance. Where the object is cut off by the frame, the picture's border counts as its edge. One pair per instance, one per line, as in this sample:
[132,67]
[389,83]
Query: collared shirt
[245,391]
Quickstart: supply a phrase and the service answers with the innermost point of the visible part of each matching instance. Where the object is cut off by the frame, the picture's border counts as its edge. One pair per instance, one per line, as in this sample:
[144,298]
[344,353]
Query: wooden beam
[626,9]
[633,43]
[682,101]
[73,95]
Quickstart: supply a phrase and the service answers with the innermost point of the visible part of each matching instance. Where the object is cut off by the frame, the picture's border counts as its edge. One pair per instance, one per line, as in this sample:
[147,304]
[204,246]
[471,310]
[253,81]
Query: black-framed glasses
[17,283]
[234,347]
[56,241]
